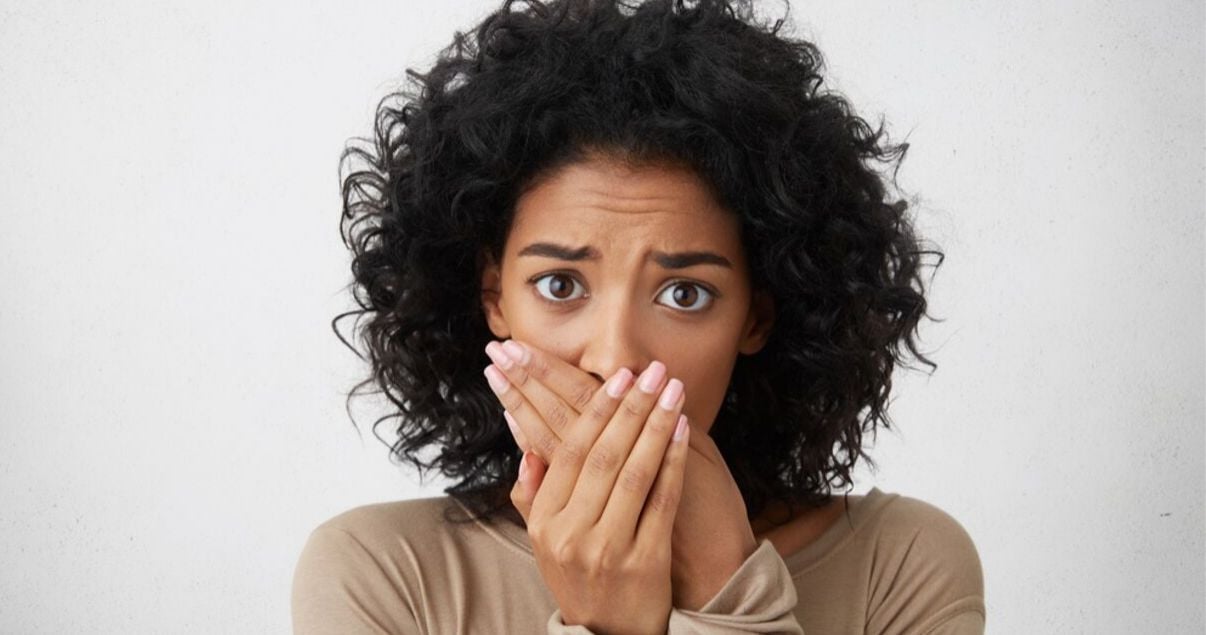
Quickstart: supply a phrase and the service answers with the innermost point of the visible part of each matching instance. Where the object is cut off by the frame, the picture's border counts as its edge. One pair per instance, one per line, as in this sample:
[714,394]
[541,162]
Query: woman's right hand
[600,515]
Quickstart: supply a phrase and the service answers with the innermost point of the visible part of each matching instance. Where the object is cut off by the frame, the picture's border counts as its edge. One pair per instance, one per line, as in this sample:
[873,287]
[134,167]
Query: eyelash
[535,280]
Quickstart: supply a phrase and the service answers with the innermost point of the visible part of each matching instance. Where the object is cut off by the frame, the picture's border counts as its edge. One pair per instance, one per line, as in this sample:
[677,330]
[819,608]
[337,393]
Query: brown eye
[685,295]
[555,287]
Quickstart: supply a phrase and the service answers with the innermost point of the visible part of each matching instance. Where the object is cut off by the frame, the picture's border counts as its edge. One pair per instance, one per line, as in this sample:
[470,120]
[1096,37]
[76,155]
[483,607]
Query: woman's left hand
[712,536]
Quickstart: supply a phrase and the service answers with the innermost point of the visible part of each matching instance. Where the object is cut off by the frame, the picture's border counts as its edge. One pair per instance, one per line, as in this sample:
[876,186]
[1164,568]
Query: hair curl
[699,83]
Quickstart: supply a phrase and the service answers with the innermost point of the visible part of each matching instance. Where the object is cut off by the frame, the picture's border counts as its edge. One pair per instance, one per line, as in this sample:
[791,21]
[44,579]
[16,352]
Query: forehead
[610,205]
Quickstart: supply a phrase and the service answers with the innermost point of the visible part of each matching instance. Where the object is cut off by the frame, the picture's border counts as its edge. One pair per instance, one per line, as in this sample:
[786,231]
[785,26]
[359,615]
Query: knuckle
[634,478]
[662,501]
[558,418]
[569,451]
[661,426]
[582,397]
[632,566]
[591,554]
[565,552]
[519,377]
[633,409]
[651,552]
[547,443]
[606,557]
[602,460]
[512,402]
[538,366]
[600,410]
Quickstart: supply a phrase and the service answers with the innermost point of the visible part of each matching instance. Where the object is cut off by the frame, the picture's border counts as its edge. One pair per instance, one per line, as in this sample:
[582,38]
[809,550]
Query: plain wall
[172,397]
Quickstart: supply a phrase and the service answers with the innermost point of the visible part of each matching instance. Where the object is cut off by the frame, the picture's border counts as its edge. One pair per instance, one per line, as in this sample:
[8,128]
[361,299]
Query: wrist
[694,586]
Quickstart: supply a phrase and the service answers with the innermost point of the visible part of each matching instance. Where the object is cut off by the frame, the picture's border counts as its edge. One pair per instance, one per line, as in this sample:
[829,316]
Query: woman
[687,288]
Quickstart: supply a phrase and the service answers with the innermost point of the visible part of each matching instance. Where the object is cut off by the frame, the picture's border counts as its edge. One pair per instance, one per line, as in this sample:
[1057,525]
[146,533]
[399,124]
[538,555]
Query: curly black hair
[703,84]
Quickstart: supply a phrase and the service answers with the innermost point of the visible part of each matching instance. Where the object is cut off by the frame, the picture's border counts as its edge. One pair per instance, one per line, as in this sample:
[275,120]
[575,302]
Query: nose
[613,340]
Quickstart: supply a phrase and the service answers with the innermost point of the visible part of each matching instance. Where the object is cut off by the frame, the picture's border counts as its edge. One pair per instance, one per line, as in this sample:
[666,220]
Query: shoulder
[359,570]
[912,524]
[929,541]
[348,541]
[928,568]
[380,524]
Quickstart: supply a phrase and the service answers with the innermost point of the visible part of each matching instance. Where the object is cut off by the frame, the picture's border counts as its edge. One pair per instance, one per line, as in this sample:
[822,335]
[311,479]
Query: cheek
[705,384]
[526,313]
[526,318]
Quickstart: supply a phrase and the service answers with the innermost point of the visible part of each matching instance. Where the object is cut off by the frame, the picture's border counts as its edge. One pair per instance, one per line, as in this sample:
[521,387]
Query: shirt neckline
[860,508]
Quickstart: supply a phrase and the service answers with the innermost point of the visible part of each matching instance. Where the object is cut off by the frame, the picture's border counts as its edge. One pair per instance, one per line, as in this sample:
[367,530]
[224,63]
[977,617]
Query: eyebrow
[680,260]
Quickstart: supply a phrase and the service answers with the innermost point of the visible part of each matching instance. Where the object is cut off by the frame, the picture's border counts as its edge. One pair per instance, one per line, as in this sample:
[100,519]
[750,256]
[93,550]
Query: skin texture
[586,319]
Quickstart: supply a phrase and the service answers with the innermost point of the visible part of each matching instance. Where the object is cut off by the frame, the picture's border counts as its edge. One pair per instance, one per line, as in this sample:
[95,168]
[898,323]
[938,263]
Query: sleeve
[556,626]
[966,622]
[759,598]
[338,587]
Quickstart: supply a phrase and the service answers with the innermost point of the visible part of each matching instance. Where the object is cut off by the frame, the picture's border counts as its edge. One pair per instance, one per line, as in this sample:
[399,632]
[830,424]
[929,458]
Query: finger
[622,510]
[566,465]
[573,385]
[657,519]
[535,476]
[610,453]
[547,405]
[541,440]
[516,433]
[531,473]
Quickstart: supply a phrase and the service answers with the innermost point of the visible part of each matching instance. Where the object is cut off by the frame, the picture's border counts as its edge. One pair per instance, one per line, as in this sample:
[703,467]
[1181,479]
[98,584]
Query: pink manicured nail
[516,351]
[523,466]
[500,358]
[652,377]
[671,394]
[619,382]
[498,383]
[681,428]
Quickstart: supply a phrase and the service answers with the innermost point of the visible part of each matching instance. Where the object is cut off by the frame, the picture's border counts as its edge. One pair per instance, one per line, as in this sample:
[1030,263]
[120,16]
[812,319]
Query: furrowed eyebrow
[690,259]
[560,252]
[680,260]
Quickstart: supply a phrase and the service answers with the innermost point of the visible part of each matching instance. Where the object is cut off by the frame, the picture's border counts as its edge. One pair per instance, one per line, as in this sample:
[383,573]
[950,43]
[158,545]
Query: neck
[791,530]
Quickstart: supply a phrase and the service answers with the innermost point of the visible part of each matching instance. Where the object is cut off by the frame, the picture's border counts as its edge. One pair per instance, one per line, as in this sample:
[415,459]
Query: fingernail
[498,383]
[671,394]
[652,377]
[516,351]
[523,466]
[500,359]
[619,382]
[681,427]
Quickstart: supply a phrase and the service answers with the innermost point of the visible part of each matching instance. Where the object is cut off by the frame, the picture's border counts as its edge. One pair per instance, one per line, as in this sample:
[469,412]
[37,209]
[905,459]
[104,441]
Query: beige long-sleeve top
[891,564]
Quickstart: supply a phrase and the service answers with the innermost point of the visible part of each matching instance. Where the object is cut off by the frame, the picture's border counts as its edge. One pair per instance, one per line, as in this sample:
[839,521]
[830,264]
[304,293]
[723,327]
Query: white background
[171,393]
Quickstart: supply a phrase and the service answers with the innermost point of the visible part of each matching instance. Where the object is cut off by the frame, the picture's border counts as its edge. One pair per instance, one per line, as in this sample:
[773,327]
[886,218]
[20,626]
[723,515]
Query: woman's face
[606,267]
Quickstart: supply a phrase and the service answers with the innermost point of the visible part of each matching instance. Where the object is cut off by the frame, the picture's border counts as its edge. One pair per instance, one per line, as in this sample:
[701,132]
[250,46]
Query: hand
[601,516]
[712,536]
